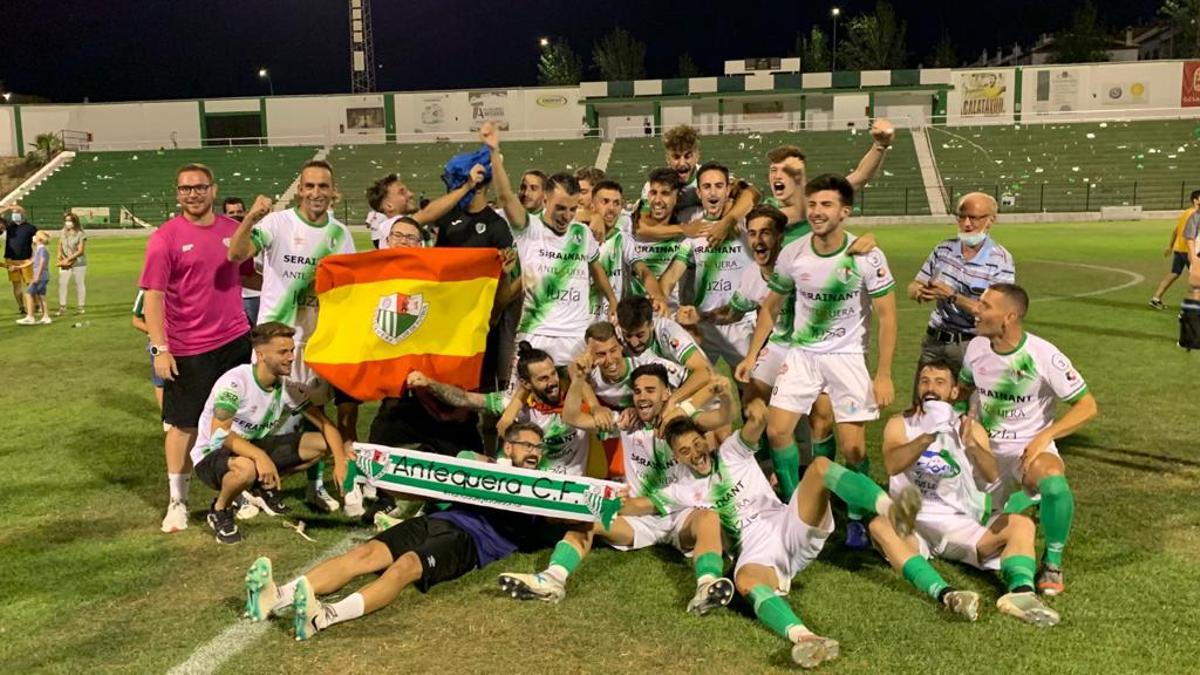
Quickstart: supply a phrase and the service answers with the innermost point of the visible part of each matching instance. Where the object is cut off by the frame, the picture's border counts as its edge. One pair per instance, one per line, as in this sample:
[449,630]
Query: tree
[687,66]
[813,50]
[45,147]
[1085,41]
[1184,16]
[944,55]
[875,41]
[559,64]
[620,56]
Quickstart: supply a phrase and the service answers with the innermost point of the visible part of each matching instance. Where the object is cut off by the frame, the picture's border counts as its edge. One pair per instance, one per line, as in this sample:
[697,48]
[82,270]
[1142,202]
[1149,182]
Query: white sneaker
[533,587]
[45,320]
[27,321]
[176,518]
[245,510]
[710,595]
[963,603]
[261,591]
[320,499]
[1027,607]
[353,502]
[306,608]
[812,650]
[903,514]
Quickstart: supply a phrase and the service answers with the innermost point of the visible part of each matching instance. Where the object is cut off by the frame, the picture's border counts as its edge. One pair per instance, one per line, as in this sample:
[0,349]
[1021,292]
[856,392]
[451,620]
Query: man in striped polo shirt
[955,275]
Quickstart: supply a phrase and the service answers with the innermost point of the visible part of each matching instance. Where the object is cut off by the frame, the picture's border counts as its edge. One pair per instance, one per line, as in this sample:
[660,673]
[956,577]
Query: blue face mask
[972,239]
[18,217]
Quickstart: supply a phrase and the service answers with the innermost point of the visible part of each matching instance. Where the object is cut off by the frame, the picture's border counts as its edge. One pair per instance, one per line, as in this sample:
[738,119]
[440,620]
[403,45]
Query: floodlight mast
[362,48]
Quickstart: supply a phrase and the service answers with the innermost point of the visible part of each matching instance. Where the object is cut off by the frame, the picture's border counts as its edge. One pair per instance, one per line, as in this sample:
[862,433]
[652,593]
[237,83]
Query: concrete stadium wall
[8,141]
[118,125]
[1102,91]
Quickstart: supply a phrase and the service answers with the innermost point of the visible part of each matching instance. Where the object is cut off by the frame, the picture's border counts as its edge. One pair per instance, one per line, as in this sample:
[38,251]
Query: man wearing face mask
[955,275]
[18,250]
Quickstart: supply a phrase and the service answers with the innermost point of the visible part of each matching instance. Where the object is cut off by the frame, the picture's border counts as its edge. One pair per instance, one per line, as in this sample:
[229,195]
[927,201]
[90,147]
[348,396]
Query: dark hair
[665,176]
[265,332]
[713,166]
[378,190]
[528,355]
[681,139]
[680,426]
[540,174]
[194,166]
[777,155]
[939,364]
[600,331]
[830,181]
[634,311]
[516,428]
[778,218]
[591,174]
[74,220]
[565,181]
[607,184]
[1195,195]
[1015,294]
[232,200]
[317,164]
[410,221]
[653,370]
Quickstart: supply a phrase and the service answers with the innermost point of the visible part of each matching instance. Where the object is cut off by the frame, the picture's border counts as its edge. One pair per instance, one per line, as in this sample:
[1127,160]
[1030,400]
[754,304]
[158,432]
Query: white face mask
[972,239]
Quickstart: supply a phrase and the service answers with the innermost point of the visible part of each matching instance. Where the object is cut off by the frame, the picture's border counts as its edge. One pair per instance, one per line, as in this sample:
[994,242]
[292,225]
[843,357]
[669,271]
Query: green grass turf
[88,583]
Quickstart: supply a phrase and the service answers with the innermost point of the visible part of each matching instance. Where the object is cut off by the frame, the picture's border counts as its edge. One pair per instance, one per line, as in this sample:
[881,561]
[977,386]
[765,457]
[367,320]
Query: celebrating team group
[607,326]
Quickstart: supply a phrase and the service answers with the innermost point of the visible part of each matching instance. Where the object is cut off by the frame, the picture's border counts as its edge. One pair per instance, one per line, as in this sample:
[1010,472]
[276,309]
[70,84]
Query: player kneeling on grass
[947,457]
[647,462]
[775,542]
[421,551]
[235,449]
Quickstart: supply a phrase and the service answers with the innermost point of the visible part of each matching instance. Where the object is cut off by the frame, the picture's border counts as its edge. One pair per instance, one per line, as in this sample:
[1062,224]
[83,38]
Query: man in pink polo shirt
[194,316]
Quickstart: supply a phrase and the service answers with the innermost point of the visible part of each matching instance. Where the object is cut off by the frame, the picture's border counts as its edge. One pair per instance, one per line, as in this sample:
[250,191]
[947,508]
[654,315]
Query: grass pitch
[88,583]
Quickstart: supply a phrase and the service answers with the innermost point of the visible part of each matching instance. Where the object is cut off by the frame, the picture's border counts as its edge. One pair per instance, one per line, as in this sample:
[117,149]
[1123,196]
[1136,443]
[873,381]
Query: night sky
[159,49]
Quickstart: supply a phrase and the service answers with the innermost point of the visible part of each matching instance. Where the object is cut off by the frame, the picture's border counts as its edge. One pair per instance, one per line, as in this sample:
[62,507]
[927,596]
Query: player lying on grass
[422,551]
[774,542]
[648,462]
[1020,378]
[949,459]
[237,448]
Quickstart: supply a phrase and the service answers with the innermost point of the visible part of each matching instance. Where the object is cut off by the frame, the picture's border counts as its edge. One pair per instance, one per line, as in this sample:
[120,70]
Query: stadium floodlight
[835,12]
[7,96]
[545,42]
[264,74]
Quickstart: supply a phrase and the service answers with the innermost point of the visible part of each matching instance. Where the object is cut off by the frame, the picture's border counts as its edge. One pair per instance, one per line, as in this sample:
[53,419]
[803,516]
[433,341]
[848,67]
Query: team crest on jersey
[397,315]
[480,227]
[845,274]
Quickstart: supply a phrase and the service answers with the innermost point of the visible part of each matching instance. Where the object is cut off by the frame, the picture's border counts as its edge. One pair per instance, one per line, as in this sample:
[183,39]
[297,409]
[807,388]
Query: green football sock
[1017,572]
[825,447]
[860,493]
[1018,502]
[787,469]
[863,468]
[1056,512]
[315,472]
[563,561]
[708,565]
[923,577]
[773,610]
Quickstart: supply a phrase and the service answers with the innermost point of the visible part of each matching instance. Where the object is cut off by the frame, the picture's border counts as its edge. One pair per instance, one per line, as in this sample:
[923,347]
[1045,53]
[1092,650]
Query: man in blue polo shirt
[955,275]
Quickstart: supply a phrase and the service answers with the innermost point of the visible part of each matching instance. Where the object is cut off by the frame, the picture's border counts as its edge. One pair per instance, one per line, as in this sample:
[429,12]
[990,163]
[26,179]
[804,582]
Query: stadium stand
[1048,167]
[141,181]
[896,191]
[419,165]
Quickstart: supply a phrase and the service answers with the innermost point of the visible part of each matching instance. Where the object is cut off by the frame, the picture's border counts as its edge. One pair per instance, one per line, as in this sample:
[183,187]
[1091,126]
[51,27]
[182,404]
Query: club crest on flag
[397,315]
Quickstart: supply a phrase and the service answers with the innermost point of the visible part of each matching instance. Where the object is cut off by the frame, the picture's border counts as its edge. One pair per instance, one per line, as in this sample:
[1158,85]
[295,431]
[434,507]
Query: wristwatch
[155,350]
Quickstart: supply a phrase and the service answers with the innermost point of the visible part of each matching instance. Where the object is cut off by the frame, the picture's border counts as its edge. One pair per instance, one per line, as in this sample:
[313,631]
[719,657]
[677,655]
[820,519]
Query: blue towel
[458,171]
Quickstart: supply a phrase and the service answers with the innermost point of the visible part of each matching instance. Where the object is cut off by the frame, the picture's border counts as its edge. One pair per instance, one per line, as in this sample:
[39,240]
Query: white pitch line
[230,642]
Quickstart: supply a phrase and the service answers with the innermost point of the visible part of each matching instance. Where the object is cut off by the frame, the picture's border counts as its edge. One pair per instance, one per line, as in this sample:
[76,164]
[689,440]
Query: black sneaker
[223,525]
[268,501]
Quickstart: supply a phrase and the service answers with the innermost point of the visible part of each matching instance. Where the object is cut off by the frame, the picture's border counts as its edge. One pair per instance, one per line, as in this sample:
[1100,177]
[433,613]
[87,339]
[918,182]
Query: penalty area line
[230,642]
[1134,280]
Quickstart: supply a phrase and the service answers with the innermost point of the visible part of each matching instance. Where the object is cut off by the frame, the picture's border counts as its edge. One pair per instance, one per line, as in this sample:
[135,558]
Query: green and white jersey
[566,448]
[793,230]
[612,259]
[1018,390]
[648,462]
[668,341]
[291,247]
[736,489]
[751,291]
[718,270]
[256,411]
[833,294]
[944,475]
[658,256]
[557,279]
[619,395]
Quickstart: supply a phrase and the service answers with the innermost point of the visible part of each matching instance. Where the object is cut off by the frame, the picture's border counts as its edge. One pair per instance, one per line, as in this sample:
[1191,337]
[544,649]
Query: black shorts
[404,421]
[284,451]
[445,550]
[1179,262]
[184,397]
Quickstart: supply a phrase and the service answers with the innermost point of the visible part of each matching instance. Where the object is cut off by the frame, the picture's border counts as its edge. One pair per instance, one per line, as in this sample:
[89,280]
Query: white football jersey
[256,411]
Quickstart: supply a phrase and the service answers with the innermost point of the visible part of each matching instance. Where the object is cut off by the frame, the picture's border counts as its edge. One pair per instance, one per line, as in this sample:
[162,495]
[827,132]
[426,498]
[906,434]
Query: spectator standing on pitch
[1177,251]
[235,208]
[955,275]
[72,263]
[35,292]
[18,249]
[194,317]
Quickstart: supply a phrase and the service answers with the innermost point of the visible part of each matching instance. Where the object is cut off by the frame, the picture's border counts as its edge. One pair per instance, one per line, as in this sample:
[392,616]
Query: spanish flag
[385,313]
